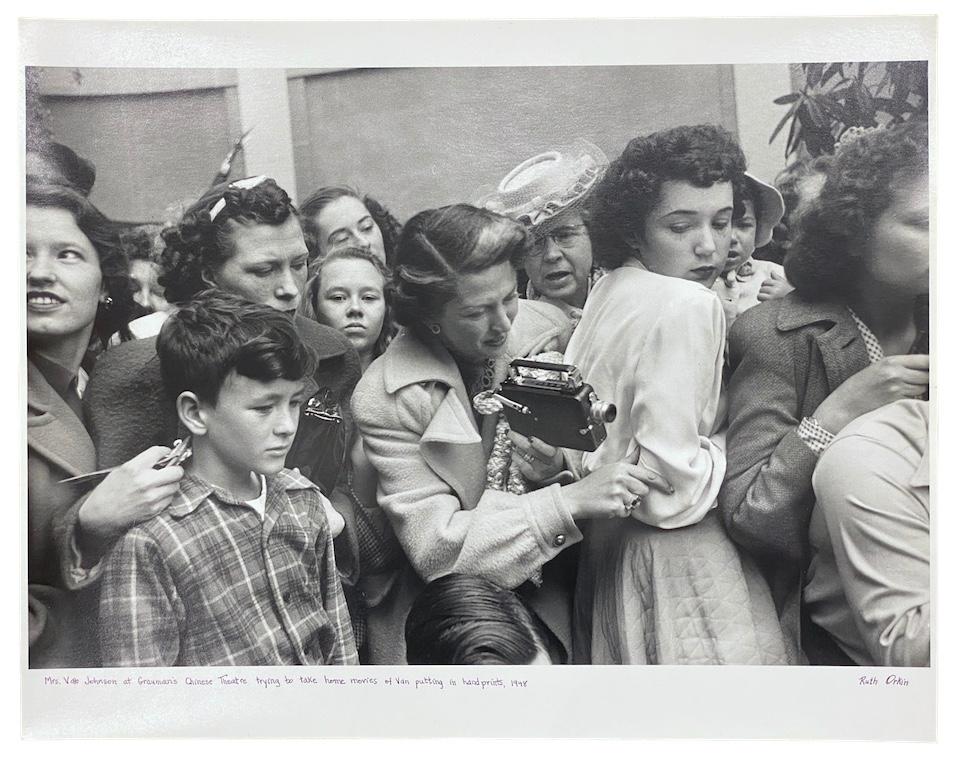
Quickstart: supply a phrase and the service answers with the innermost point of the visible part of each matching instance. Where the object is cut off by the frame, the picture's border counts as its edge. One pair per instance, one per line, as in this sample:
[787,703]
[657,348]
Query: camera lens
[602,412]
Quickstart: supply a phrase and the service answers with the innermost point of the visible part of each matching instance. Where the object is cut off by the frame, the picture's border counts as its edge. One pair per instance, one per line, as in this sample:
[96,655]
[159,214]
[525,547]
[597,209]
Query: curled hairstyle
[460,619]
[826,258]
[196,244]
[104,234]
[311,296]
[389,226]
[437,246]
[218,333]
[701,155]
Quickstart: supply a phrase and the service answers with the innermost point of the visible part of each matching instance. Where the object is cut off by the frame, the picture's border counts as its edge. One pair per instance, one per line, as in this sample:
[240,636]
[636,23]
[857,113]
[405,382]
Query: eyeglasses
[564,237]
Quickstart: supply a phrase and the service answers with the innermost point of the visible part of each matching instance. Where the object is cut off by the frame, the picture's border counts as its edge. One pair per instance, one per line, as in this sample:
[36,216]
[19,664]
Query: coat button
[559,540]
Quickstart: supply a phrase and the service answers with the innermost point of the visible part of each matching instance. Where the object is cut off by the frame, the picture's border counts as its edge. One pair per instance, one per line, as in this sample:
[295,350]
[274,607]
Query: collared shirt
[868,583]
[874,350]
[207,583]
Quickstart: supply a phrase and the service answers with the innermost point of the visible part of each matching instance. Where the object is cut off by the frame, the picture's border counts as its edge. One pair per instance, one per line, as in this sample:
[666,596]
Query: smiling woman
[76,293]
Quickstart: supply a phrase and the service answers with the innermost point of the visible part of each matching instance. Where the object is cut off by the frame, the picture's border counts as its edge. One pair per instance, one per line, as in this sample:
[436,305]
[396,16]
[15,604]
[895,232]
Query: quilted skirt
[682,596]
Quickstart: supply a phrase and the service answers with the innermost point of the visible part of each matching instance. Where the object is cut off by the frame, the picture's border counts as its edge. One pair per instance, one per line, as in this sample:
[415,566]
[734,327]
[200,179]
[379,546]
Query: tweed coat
[61,623]
[786,356]
[421,435]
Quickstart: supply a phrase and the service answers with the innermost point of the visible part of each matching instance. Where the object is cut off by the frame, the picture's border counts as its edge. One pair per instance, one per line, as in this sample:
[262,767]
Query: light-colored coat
[421,436]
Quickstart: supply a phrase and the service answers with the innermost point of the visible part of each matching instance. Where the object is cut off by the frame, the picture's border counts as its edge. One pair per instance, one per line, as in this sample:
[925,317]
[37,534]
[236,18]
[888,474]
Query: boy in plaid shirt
[239,569]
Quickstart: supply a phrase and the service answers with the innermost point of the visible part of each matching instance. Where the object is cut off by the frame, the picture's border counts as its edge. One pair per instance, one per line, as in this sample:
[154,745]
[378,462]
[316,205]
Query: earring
[107,302]
[434,328]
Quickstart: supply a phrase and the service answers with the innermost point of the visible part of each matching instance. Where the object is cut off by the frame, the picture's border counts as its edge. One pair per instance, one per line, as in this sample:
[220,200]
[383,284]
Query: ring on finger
[637,501]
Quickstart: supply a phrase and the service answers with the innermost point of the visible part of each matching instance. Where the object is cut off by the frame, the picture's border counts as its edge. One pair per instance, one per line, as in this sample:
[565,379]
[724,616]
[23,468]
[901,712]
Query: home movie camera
[551,402]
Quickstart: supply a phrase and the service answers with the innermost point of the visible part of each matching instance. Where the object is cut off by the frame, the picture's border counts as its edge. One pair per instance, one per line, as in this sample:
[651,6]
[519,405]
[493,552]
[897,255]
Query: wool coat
[786,357]
[61,623]
[422,436]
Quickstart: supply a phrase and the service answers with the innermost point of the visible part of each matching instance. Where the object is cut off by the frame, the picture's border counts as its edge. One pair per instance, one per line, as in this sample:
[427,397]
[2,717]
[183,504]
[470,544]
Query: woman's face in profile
[474,326]
[897,253]
[346,221]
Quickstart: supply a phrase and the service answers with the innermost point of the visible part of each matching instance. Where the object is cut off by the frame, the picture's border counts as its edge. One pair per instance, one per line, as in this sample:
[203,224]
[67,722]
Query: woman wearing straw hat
[546,193]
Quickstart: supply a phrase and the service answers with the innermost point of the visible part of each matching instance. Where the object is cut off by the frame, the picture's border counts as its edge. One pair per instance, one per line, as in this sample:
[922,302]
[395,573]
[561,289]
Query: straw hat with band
[548,184]
[771,208]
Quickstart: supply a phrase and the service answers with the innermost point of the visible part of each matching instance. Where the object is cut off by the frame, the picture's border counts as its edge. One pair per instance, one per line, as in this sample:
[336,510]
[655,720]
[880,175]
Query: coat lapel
[451,444]
[53,430]
[842,349]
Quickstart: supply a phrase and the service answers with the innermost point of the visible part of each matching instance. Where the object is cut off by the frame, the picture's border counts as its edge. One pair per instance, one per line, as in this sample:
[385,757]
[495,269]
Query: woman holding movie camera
[441,462]
[665,585]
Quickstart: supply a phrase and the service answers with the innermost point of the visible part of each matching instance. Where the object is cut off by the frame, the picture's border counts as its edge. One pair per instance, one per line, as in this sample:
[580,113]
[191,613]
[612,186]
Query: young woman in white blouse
[665,585]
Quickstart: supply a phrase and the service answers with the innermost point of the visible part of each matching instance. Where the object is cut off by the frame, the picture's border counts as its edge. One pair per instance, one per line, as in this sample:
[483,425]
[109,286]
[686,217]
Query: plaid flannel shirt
[207,583]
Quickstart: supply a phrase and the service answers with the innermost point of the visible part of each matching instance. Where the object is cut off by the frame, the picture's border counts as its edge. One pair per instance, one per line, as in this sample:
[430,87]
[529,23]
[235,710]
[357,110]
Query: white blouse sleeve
[671,380]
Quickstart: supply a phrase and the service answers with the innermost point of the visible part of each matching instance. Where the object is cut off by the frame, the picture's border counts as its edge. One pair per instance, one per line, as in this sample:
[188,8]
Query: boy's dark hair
[701,155]
[198,243]
[218,333]
[461,619]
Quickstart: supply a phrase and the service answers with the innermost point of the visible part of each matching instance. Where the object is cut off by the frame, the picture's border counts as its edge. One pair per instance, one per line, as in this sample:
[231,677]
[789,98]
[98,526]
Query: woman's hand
[133,493]
[538,461]
[774,287]
[613,490]
[890,379]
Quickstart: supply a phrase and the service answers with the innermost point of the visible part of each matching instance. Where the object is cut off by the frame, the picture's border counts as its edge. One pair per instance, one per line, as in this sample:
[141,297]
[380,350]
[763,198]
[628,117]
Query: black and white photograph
[445,373]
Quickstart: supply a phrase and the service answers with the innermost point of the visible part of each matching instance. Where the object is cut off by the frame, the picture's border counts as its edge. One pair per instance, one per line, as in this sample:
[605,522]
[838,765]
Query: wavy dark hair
[826,259]
[390,227]
[219,332]
[440,244]
[702,155]
[461,619]
[104,234]
[196,244]
[311,294]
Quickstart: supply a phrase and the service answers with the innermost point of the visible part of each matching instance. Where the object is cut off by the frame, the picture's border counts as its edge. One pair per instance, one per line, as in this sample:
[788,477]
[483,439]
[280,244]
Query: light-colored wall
[416,138]
[755,88]
[413,138]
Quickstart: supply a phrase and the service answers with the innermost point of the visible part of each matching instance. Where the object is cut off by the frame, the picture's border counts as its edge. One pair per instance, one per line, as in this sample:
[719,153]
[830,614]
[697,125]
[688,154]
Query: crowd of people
[263,434]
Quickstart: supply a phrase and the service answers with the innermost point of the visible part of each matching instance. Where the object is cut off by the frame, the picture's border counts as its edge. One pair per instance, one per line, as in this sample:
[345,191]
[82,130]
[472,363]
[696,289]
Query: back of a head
[438,245]
[824,260]
[461,619]
[700,155]
[218,333]
[200,241]
[53,163]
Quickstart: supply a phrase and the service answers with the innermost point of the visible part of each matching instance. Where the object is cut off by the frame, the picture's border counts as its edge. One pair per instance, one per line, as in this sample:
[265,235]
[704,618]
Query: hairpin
[249,183]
